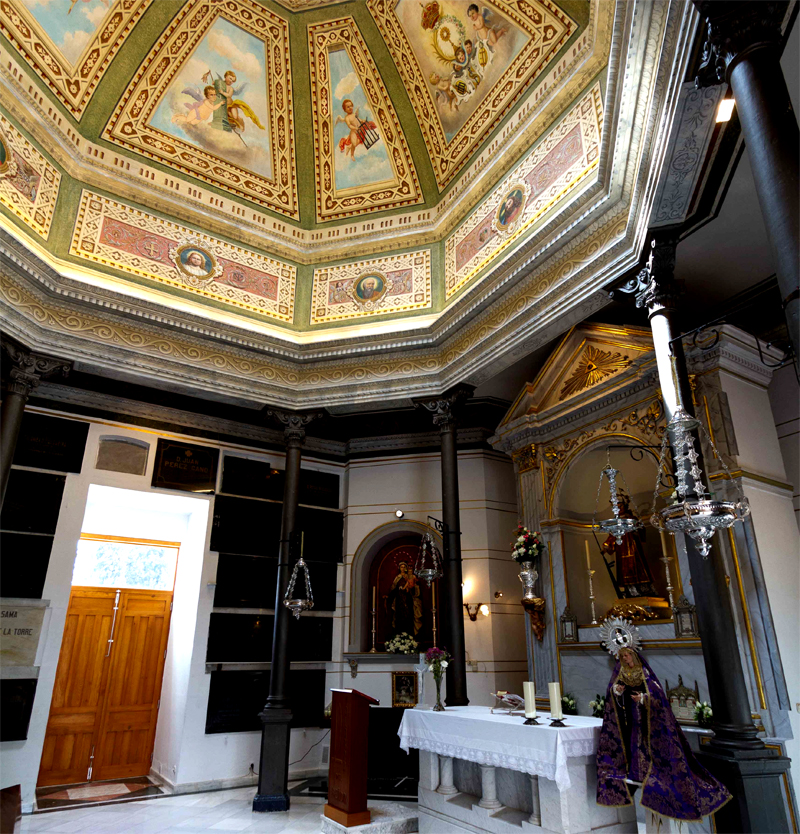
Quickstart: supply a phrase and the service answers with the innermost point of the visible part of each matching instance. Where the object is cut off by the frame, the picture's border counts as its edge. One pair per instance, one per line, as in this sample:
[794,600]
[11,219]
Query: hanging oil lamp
[428,565]
[700,515]
[617,526]
[297,604]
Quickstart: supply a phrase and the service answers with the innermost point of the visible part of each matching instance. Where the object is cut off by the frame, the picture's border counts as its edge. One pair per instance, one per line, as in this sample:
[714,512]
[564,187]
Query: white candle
[373,597]
[530,699]
[588,558]
[433,596]
[555,702]
[664,544]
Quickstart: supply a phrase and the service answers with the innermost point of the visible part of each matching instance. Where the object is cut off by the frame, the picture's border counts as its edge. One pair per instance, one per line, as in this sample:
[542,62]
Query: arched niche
[572,507]
[371,545]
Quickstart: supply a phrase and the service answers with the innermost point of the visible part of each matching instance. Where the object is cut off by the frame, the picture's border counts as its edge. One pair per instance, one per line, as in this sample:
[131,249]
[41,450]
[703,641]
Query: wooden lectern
[347,774]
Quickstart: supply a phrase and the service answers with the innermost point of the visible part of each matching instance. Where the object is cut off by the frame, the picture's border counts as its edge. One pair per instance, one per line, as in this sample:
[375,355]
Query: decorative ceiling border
[119,236]
[372,288]
[129,128]
[551,171]
[447,158]
[73,86]
[405,189]
[29,184]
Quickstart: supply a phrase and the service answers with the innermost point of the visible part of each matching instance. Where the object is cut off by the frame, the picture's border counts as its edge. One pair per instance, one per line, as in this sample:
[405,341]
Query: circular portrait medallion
[369,288]
[8,165]
[196,265]
[511,208]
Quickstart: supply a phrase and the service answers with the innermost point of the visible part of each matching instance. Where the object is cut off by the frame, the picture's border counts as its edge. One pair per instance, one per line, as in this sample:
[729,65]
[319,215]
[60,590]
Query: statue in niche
[404,603]
[633,575]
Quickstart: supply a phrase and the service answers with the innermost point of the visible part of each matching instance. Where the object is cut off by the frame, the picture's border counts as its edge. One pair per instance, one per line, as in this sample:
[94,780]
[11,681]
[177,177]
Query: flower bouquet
[703,714]
[402,643]
[437,661]
[569,706]
[527,546]
[598,706]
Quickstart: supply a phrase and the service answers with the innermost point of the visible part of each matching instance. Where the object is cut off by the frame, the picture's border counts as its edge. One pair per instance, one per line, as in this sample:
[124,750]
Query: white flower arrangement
[402,643]
[598,706]
[703,713]
[526,545]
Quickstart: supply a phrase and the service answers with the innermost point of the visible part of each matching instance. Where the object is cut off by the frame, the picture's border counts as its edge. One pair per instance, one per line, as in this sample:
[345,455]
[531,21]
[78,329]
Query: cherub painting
[361,158]
[205,102]
[463,50]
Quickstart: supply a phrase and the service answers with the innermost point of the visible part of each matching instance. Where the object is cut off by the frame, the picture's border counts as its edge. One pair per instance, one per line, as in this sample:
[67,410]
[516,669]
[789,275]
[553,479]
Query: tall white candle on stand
[555,702]
[588,558]
[530,699]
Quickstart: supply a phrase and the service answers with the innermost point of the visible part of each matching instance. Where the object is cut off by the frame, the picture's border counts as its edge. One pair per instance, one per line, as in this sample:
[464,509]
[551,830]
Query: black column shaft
[772,138]
[456,695]
[10,422]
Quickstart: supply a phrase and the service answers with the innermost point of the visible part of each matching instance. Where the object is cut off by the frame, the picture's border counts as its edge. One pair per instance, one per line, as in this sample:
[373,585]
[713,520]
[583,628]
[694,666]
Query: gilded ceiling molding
[379,173]
[119,236]
[142,123]
[72,82]
[551,171]
[28,182]
[544,28]
[372,288]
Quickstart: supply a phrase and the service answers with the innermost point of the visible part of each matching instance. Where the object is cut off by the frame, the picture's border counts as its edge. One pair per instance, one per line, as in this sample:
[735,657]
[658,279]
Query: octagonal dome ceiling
[311,179]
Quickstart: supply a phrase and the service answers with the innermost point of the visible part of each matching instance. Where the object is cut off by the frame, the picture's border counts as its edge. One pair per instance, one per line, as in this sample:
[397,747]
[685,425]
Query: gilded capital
[526,459]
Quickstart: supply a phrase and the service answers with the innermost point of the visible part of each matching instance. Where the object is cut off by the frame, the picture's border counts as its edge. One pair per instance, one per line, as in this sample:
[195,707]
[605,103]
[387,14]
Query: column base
[754,779]
[264,802]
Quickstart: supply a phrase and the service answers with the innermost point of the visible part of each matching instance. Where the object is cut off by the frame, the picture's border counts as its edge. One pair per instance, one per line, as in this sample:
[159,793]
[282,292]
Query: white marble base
[387,818]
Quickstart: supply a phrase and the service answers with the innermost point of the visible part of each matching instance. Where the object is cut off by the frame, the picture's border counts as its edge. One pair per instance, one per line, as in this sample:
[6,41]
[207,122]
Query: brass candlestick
[433,611]
[373,649]
[666,560]
[591,596]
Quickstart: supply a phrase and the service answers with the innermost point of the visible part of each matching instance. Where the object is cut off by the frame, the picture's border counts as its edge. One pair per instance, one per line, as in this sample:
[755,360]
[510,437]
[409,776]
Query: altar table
[490,772]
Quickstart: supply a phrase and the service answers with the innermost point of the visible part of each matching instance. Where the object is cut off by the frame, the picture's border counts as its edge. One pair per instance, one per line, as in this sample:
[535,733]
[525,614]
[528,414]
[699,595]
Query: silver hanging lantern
[428,565]
[617,526]
[297,604]
[699,516]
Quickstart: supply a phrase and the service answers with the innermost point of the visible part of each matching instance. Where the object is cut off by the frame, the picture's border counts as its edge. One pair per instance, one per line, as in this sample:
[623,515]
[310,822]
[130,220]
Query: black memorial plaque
[323,534]
[16,703]
[240,638]
[23,567]
[185,467]
[51,443]
[251,478]
[319,489]
[32,502]
[247,526]
[245,581]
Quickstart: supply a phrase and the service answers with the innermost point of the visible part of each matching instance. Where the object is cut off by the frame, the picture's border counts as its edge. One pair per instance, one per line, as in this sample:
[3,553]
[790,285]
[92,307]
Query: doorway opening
[107,692]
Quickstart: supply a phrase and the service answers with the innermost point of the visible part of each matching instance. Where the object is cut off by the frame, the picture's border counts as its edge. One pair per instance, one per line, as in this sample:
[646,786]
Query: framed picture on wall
[404,689]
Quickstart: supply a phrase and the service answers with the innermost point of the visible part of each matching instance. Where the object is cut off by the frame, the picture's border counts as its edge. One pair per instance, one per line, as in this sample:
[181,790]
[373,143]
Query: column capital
[655,286]
[294,423]
[30,368]
[733,29]
[443,408]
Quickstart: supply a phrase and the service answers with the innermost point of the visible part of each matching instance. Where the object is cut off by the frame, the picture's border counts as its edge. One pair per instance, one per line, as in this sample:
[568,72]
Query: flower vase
[530,602]
[437,707]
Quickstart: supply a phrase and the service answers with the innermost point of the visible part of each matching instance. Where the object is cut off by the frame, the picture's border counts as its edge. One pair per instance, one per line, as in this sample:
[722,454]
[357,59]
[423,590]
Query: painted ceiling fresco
[464,64]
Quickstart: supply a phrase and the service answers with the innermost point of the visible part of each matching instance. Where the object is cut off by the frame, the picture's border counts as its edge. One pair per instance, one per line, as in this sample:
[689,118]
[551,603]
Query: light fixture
[399,513]
[725,109]
[619,525]
[297,604]
[429,564]
[698,518]
[498,594]
[569,627]
[474,608]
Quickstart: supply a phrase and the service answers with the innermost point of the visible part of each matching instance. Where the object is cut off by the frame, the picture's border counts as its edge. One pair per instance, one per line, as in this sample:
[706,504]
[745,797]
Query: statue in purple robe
[641,743]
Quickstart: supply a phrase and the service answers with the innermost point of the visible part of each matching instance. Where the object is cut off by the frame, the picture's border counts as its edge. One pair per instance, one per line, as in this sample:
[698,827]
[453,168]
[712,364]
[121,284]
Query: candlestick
[556,713]
[530,702]
[374,619]
[433,610]
[591,596]
[666,559]
[588,557]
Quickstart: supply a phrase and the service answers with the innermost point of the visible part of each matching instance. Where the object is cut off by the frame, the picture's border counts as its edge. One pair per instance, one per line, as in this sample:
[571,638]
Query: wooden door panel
[79,687]
[131,711]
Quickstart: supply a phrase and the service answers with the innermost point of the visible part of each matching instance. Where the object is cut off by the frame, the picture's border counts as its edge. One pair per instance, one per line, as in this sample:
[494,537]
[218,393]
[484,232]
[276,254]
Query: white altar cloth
[475,735]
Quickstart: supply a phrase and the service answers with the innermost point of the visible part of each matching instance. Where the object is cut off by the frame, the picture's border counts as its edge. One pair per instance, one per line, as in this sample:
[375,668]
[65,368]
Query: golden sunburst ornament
[594,366]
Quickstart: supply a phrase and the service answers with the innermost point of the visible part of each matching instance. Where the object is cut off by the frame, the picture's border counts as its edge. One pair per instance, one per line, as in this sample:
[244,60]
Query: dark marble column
[277,713]
[743,49]
[444,410]
[735,755]
[27,370]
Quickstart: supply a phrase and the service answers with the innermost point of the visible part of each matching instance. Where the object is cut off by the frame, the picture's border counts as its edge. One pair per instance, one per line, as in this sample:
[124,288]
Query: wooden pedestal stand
[347,775]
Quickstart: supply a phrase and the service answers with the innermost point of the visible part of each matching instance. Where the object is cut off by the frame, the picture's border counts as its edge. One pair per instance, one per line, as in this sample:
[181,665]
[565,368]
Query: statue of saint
[633,575]
[641,745]
[404,602]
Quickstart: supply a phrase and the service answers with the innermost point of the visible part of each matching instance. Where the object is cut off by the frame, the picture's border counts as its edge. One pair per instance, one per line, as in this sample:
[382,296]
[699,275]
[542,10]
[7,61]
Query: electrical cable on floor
[327,733]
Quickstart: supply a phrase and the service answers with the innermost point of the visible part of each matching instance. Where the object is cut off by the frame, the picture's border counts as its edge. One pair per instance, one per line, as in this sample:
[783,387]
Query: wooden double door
[108,686]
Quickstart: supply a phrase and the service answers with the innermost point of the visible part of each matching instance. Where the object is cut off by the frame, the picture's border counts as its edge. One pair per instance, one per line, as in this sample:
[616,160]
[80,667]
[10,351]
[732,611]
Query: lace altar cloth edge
[475,735]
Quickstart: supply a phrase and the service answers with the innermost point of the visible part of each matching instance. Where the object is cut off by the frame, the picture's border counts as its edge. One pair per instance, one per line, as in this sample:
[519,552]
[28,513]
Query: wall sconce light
[498,594]
[473,608]
[725,110]
[399,513]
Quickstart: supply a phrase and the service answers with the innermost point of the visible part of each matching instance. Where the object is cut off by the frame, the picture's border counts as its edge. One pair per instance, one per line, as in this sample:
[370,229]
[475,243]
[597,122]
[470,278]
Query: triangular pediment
[591,358]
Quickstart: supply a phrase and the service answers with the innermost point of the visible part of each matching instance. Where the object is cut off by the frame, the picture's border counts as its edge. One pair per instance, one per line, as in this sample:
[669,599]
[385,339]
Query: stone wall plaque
[185,467]
[20,628]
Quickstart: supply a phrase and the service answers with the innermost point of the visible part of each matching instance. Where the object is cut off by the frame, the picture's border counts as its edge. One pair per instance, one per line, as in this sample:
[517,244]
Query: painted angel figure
[487,32]
[358,128]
